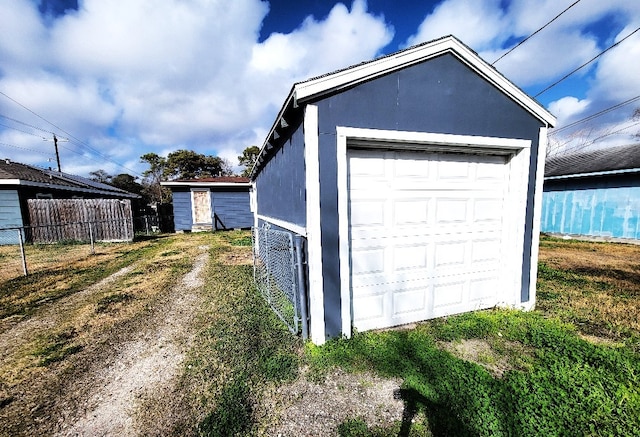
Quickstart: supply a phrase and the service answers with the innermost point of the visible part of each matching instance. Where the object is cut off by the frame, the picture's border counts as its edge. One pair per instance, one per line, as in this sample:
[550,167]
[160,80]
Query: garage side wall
[441,95]
[281,183]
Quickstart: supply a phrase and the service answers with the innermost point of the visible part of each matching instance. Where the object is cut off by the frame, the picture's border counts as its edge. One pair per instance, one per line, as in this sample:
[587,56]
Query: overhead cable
[527,38]
[76,140]
[597,114]
[586,63]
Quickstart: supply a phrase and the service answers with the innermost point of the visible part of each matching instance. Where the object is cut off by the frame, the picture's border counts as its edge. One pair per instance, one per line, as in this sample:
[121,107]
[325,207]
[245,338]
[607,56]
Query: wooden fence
[57,220]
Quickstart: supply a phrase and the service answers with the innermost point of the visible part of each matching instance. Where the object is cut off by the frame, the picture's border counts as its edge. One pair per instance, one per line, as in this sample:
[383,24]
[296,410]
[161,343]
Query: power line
[586,63]
[534,33]
[597,114]
[20,130]
[24,148]
[26,124]
[76,140]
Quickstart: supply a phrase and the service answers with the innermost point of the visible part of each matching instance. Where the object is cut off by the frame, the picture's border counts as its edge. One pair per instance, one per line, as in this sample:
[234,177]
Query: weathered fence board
[55,220]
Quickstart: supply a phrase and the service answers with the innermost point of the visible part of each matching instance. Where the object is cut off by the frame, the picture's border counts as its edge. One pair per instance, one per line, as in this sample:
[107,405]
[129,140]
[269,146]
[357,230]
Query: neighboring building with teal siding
[10,216]
[594,194]
[211,203]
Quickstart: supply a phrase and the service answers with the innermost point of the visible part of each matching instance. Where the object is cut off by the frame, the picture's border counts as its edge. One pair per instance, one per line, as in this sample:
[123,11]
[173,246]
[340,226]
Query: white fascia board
[399,138]
[52,186]
[206,184]
[9,181]
[276,123]
[537,217]
[360,73]
[314,236]
[595,173]
[297,229]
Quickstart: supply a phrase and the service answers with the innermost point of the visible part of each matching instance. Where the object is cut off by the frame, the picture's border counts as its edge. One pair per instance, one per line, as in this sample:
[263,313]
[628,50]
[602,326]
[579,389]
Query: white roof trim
[205,184]
[55,186]
[594,173]
[359,73]
[9,181]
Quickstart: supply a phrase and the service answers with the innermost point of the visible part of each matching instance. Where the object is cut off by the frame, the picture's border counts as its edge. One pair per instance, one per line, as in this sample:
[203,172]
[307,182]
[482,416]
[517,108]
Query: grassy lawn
[565,369]
[571,367]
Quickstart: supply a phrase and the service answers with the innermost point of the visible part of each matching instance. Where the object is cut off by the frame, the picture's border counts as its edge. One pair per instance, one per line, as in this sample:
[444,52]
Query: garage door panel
[450,210]
[484,289]
[368,213]
[368,261]
[409,303]
[448,294]
[409,257]
[425,235]
[410,211]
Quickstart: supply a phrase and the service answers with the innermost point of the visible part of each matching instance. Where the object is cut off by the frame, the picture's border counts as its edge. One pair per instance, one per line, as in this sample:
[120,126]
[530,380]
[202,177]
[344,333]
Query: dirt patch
[479,352]
[146,364]
[237,256]
[307,408]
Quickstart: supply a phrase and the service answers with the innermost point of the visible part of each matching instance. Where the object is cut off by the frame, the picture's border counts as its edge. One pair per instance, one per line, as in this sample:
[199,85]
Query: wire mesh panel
[274,266]
[11,264]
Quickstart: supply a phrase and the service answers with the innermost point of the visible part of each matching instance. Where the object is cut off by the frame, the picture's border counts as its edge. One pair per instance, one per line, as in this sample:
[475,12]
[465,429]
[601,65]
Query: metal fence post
[22,253]
[93,250]
[302,295]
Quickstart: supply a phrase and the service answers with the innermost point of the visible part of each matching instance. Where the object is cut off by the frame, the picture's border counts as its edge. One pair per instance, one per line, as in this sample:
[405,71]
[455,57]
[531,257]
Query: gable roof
[613,160]
[220,181]
[316,87]
[14,173]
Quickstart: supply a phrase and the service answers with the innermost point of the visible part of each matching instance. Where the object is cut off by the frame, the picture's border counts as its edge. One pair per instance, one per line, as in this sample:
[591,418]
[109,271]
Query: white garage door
[426,234]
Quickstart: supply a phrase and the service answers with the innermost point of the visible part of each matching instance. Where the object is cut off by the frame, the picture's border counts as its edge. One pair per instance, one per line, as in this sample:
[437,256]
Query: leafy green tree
[248,159]
[187,164]
[100,176]
[153,176]
[127,182]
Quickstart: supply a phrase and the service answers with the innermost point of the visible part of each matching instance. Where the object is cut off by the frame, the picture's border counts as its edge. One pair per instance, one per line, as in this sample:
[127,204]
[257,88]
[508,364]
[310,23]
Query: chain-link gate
[275,269]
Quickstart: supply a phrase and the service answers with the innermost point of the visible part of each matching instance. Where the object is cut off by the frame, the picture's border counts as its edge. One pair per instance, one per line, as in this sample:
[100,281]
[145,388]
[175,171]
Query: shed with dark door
[415,180]
[207,204]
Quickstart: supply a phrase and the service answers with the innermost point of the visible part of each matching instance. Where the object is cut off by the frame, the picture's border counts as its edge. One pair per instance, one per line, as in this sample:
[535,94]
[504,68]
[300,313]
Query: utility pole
[55,144]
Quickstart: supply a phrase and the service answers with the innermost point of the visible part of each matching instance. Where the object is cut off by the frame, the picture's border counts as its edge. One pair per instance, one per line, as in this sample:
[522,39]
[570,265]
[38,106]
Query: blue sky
[120,79]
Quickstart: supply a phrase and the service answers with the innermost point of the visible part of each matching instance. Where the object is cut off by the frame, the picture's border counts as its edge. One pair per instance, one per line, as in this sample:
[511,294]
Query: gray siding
[281,185]
[233,208]
[182,215]
[10,216]
[441,95]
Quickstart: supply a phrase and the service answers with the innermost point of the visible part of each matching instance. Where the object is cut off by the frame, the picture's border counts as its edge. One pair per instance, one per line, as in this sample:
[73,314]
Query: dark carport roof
[621,159]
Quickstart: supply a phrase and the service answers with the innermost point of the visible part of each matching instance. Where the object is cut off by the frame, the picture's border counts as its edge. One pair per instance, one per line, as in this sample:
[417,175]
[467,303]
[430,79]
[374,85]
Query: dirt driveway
[82,365]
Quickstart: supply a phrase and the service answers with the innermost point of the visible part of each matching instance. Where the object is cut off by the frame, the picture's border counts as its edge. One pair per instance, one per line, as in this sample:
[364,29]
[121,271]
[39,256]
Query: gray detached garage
[207,204]
[413,179]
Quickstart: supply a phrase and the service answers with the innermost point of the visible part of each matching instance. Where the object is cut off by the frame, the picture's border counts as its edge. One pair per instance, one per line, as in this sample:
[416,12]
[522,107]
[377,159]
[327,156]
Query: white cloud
[479,24]
[166,75]
[567,109]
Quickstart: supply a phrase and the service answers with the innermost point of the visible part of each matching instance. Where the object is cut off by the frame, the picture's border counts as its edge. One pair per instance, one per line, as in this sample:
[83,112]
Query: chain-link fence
[31,249]
[277,263]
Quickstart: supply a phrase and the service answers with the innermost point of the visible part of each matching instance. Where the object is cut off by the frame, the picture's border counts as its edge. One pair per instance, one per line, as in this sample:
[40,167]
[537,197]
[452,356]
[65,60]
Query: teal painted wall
[598,212]
[10,216]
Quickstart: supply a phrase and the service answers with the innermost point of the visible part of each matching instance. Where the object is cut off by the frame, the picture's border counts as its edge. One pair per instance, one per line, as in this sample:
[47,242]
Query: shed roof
[319,86]
[612,160]
[14,173]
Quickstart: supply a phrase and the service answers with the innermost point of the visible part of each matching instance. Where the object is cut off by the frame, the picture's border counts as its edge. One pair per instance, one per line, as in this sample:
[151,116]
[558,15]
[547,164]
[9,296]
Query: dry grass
[58,323]
[596,286]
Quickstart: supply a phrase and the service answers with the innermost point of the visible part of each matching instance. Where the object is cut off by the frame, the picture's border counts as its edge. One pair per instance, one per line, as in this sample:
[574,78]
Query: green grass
[571,388]
[243,348]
